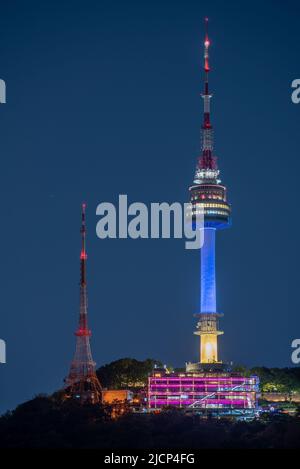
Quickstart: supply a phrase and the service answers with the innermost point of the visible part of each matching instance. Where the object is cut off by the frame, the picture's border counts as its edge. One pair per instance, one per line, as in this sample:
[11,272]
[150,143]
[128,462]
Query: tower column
[207,327]
[208,271]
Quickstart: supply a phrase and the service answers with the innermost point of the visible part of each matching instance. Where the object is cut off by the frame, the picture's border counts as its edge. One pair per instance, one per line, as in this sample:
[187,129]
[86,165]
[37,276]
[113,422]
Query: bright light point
[209,351]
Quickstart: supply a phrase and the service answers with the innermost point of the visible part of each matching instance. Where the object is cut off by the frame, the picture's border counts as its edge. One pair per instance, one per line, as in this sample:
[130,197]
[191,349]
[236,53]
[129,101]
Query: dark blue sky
[103,98]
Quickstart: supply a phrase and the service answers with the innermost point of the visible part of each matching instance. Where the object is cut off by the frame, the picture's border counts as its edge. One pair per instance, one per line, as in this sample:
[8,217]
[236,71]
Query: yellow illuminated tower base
[207,329]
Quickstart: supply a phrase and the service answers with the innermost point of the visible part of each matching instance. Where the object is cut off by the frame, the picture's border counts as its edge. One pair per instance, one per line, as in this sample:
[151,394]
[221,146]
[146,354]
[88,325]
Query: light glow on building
[220,391]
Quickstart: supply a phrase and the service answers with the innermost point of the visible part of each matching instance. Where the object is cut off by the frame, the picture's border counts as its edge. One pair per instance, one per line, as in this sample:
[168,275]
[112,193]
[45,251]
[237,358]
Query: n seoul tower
[208,191]
[208,385]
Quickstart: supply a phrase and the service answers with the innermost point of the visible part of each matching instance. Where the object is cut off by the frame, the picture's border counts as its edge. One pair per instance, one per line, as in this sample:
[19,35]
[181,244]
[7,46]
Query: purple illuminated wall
[200,391]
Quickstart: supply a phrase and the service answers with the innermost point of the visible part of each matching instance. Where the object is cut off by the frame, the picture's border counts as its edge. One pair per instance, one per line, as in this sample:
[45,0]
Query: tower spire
[206,122]
[82,382]
[207,169]
[83,323]
[83,255]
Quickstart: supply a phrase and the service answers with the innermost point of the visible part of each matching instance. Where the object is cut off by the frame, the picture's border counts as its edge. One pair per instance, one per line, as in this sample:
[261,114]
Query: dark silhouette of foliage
[126,373]
[283,380]
[48,423]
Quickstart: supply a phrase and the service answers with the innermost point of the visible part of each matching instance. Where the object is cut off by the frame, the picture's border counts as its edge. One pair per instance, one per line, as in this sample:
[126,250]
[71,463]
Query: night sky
[103,98]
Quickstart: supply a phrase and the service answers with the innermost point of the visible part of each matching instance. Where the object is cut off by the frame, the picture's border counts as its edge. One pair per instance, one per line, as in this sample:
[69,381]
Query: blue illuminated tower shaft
[208,272]
[207,326]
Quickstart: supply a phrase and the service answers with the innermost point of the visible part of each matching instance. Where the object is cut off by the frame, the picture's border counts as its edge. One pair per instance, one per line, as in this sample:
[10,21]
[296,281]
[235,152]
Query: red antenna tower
[207,161]
[82,382]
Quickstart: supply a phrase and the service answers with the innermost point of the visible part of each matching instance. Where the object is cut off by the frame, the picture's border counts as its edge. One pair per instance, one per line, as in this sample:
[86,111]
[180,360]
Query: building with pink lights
[219,392]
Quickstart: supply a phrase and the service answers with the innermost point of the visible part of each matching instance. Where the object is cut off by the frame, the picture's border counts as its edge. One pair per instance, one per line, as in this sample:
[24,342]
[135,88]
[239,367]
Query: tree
[126,373]
[282,380]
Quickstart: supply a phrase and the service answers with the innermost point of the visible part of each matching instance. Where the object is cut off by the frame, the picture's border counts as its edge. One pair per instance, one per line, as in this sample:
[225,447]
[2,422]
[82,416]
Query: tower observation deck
[209,195]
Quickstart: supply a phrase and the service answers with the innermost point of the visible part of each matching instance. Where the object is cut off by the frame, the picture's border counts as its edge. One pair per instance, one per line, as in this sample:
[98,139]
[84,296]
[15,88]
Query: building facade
[220,391]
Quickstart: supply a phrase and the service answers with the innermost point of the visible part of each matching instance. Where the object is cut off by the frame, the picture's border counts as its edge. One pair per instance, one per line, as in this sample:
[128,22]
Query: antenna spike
[206,48]
[83,254]
[207,169]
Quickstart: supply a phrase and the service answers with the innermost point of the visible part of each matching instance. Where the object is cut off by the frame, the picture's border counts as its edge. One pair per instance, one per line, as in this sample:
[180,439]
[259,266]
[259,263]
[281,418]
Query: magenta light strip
[197,396]
[204,378]
[194,386]
[216,402]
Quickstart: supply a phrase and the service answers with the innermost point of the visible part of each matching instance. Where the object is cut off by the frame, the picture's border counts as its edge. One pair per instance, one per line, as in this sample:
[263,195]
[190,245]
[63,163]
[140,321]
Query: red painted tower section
[207,160]
[82,382]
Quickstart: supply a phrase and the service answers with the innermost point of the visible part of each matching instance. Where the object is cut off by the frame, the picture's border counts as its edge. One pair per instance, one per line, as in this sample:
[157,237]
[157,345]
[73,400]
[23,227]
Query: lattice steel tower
[208,191]
[82,383]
